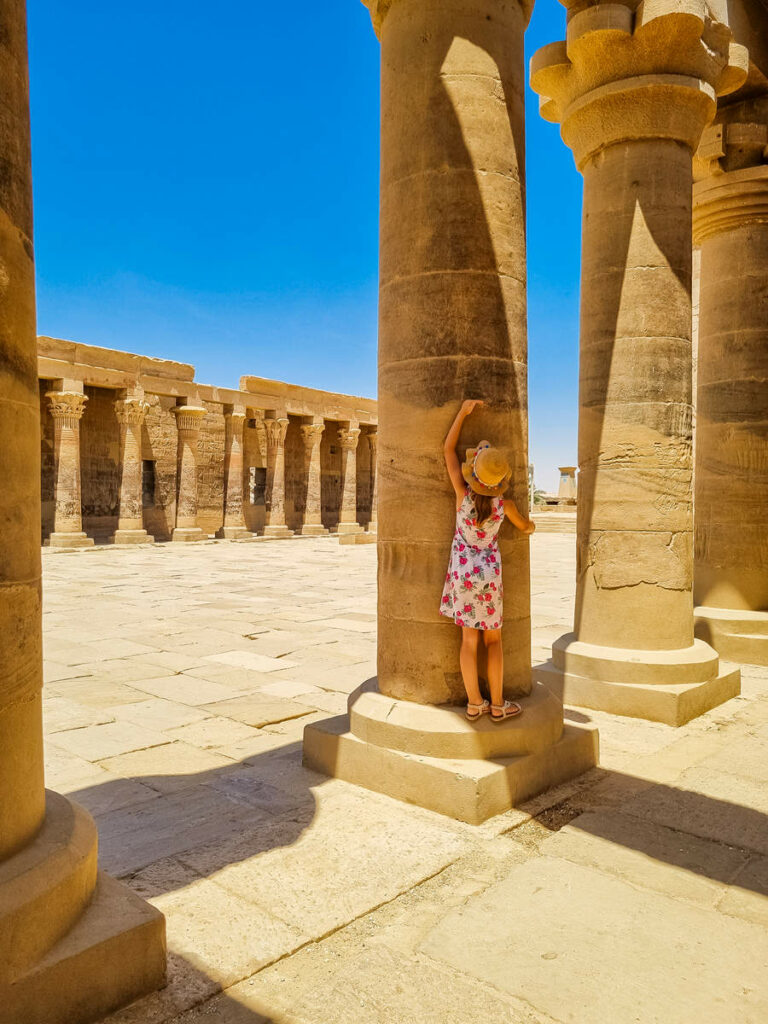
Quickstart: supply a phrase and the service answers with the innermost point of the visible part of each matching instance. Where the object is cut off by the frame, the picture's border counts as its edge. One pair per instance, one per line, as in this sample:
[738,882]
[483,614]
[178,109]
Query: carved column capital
[373,441]
[624,75]
[189,418]
[67,407]
[380,8]
[235,422]
[312,434]
[131,411]
[348,438]
[276,430]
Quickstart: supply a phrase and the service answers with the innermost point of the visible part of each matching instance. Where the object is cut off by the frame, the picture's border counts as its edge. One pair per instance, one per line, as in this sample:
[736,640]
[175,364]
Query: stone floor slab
[661,960]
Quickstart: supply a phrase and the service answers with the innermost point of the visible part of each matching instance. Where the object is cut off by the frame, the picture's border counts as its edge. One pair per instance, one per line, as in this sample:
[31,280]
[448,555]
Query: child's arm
[510,511]
[452,463]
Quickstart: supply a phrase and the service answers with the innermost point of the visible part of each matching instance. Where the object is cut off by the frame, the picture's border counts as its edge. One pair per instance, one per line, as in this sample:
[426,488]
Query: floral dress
[473,592]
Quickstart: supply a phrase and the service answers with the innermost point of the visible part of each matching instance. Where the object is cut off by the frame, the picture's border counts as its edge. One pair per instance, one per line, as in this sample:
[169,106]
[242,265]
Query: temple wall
[210,469]
[159,443]
[160,388]
[47,463]
[330,486]
[100,463]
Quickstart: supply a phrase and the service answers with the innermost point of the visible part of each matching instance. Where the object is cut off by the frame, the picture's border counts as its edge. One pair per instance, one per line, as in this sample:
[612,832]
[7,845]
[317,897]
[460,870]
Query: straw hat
[486,470]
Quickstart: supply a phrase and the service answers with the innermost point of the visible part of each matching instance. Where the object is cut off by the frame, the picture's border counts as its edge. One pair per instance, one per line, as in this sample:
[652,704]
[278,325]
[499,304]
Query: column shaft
[731,525]
[188,421]
[312,434]
[634,517]
[22,798]
[633,125]
[275,520]
[67,408]
[348,439]
[234,527]
[373,439]
[131,412]
[452,318]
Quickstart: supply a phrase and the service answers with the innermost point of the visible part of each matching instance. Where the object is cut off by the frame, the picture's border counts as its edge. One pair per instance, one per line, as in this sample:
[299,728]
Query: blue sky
[206,190]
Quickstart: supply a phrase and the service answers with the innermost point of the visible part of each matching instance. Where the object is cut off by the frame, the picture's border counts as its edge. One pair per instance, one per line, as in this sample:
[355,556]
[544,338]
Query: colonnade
[68,405]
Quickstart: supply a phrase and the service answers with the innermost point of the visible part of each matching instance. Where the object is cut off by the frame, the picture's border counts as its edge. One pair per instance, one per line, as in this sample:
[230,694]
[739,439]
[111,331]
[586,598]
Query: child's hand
[470,404]
[531,527]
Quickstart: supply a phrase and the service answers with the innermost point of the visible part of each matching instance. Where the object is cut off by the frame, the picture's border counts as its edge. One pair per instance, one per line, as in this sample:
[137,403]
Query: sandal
[479,710]
[510,709]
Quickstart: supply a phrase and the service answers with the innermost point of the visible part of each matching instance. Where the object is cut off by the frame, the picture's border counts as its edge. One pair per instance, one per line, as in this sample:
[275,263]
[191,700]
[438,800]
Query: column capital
[234,421]
[727,201]
[373,439]
[348,437]
[379,9]
[67,406]
[189,417]
[624,75]
[276,430]
[131,411]
[311,434]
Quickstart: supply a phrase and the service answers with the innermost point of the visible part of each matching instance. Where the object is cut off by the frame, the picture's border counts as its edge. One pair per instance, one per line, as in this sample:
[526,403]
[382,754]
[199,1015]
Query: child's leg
[468,662]
[492,638]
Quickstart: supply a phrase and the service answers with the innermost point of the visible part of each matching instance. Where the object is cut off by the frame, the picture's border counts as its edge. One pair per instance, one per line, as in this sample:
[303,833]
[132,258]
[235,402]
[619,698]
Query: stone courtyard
[179,680]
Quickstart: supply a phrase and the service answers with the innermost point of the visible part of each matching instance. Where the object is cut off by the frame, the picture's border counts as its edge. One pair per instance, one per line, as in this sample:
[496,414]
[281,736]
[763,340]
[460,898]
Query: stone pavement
[178,683]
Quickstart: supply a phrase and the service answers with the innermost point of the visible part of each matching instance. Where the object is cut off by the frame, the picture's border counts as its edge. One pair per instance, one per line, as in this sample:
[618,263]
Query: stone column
[633,93]
[276,429]
[567,488]
[348,439]
[452,325]
[311,435]
[731,520]
[67,408]
[131,412]
[373,439]
[234,527]
[57,915]
[189,419]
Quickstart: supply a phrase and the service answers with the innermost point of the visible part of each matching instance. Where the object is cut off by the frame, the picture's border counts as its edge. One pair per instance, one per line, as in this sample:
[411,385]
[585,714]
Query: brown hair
[483,507]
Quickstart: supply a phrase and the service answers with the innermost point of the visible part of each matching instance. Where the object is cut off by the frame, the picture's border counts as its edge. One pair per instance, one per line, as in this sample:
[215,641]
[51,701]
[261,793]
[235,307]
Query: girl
[473,591]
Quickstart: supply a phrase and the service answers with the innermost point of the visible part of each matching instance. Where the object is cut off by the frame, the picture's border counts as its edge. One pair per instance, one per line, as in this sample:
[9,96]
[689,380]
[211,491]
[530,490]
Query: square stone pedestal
[277,532]
[314,530]
[132,537]
[736,634]
[348,529]
[69,540]
[660,686]
[358,538]
[433,757]
[186,534]
[234,533]
[74,944]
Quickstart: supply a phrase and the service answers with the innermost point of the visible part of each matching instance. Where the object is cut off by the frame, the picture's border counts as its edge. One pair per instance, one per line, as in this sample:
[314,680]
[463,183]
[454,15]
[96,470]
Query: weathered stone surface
[554,937]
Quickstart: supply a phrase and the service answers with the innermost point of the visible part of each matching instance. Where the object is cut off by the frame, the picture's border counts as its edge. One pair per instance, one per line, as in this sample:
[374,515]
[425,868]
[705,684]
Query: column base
[234,533]
[736,634]
[79,945]
[433,757]
[661,686]
[132,537]
[313,530]
[349,528]
[358,538]
[277,532]
[69,540]
[185,534]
